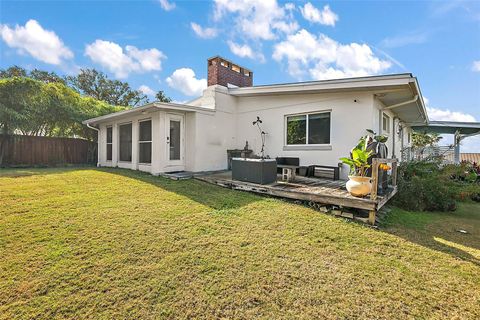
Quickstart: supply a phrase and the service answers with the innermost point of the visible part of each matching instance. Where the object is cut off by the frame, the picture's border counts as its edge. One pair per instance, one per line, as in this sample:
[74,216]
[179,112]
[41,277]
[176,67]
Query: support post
[373,194]
[457,139]
[371,217]
[394,173]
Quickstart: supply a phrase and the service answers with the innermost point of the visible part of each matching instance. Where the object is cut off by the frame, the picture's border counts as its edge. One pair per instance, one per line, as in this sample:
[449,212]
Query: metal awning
[450,127]
[460,130]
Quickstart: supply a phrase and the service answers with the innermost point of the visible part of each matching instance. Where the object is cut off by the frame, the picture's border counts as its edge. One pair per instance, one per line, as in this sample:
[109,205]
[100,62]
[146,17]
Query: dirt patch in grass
[107,243]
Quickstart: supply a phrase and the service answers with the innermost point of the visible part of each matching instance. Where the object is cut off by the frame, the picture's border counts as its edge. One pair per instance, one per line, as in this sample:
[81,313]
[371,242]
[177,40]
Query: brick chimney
[224,72]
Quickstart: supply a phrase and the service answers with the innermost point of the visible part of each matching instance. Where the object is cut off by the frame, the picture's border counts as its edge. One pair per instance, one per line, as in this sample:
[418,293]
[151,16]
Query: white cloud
[43,45]
[325,16]
[184,80]
[122,62]
[447,115]
[324,58]
[257,19]
[205,33]
[166,5]
[245,51]
[470,145]
[289,6]
[476,66]
[404,40]
[426,101]
[146,90]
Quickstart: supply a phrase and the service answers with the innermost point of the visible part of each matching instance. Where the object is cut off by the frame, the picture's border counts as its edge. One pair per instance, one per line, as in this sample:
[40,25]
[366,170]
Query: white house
[316,121]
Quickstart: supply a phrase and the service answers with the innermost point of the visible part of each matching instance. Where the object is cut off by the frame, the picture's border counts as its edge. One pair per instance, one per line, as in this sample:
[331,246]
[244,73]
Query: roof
[450,127]
[470,157]
[150,107]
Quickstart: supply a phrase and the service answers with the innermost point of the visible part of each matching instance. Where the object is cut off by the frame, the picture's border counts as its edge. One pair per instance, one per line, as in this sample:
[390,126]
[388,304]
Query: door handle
[168,140]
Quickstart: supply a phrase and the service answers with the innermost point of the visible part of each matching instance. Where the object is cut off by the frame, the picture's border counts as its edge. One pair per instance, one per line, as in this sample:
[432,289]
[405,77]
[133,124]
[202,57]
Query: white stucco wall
[349,119]
[213,133]
[401,138]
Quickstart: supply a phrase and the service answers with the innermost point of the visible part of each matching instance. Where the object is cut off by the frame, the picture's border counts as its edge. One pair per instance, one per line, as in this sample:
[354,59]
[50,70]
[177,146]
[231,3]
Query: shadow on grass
[215,197]
[12,172]
[440,230]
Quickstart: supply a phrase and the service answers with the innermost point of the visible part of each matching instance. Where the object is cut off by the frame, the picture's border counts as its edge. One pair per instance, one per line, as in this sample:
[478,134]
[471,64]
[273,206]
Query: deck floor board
[302,188]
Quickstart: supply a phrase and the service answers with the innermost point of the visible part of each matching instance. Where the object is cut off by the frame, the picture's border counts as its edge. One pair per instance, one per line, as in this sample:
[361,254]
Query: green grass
[115,244]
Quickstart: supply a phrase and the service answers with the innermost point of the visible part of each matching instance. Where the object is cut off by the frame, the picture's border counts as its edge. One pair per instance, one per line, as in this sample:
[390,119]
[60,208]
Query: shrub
[428,186]
[422,187]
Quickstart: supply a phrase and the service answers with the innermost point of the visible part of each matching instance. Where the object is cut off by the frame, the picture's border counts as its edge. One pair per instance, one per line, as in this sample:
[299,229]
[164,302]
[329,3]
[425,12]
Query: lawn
[115,244]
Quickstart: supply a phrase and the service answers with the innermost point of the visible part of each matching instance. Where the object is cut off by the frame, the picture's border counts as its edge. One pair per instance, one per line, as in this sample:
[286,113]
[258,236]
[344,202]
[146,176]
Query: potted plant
[359,184]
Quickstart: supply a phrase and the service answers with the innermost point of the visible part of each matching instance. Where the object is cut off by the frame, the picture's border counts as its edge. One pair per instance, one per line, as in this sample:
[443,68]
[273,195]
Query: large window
[308,129]
[109,143]
[126,142]
[145,141]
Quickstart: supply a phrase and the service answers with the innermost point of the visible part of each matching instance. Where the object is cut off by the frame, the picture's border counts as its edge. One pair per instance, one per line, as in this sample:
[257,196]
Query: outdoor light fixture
[262,135]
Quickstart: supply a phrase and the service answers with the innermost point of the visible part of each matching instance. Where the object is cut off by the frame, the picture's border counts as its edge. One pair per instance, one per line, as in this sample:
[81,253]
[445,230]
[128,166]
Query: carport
[460,130]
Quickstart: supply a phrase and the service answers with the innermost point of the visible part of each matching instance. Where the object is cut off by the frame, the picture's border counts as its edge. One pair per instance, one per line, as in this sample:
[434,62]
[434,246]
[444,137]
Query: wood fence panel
[20,150]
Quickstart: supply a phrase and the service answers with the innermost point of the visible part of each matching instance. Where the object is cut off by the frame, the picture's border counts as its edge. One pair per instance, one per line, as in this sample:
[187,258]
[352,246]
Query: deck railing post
[373,194]
[394,173]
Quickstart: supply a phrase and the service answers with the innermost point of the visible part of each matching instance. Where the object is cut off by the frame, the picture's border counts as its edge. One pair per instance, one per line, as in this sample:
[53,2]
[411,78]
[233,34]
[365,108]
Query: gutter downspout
[98,142]
[415,98]
[394,133]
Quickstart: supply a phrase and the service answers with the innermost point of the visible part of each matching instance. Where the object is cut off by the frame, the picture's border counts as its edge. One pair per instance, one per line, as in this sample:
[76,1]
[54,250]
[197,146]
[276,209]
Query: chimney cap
[229,61]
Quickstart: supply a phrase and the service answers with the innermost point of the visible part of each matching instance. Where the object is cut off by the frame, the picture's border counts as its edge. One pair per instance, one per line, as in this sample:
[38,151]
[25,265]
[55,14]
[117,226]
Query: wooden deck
[303,188]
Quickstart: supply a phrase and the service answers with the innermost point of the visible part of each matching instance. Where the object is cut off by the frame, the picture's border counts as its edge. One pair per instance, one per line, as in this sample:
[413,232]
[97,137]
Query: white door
[175,142]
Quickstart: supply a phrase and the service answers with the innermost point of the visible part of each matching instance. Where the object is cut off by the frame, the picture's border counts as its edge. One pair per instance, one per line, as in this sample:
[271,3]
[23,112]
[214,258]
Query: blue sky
[162,44]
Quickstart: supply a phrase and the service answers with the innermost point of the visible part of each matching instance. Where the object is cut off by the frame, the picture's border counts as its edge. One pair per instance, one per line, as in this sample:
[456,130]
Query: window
[246,73]
[109,143]
[385,123]
[126,142]
[313,128]
[224,64]
[145,141]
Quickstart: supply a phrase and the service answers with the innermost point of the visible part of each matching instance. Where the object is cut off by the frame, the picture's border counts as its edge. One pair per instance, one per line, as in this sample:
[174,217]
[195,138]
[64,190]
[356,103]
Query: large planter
[261,171]
[359,186]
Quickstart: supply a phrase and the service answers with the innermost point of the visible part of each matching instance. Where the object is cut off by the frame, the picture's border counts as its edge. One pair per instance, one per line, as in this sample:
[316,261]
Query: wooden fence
[17,150]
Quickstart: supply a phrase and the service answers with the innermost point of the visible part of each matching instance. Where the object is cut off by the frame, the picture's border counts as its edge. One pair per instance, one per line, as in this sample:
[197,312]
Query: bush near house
[429,186]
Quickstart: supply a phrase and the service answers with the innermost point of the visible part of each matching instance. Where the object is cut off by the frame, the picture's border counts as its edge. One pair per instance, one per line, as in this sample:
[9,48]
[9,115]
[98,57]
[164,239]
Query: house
[317,121]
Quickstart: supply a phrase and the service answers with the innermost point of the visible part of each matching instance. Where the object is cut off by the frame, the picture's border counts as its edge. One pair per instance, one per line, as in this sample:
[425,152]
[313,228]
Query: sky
[164,44]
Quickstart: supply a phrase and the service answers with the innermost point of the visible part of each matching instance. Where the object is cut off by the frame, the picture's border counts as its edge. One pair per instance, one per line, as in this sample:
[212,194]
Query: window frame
[145,141]
[120,142]
[108,143]
[306,144]
[388,130]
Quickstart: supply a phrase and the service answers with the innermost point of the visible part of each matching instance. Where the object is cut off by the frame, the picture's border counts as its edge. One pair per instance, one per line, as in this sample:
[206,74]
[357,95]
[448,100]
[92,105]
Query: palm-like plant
[358,160]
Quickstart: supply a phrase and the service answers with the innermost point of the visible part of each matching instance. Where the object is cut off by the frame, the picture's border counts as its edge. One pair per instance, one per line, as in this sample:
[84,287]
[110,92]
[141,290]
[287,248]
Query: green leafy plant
[378,137]
[358,160]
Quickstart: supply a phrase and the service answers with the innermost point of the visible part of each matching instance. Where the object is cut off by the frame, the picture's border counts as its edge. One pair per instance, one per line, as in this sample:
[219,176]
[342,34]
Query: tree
[13,71]
[33,107]
[161,97]
[45,76]
[96,84]
[424,139]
